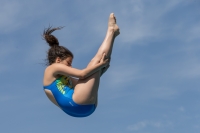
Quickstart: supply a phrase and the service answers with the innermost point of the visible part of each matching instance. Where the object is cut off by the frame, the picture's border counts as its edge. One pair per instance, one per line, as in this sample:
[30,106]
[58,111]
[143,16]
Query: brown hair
[55,50]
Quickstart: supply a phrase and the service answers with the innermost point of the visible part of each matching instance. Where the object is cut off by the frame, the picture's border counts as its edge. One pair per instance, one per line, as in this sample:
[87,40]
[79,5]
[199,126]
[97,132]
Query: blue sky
[152,85]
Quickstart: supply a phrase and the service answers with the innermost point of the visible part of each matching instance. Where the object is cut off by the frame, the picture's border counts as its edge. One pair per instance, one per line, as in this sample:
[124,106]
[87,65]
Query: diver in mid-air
[76,96]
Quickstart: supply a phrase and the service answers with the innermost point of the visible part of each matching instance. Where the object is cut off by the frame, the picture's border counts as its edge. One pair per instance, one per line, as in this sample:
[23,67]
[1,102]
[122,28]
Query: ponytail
[55,50]
[51,39]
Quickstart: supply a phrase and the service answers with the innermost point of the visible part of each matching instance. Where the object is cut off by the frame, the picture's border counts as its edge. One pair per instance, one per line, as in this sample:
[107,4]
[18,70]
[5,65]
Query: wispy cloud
[161,93]
[4,98]
[8,13]
[18,14]
[137,126]
[123,74]
[182,109]
[149,124]
[7,50]
[159,42]
[142,22]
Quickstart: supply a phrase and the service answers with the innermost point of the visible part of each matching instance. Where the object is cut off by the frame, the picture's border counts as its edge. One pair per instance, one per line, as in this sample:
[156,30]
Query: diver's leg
[85,92]
[106,46]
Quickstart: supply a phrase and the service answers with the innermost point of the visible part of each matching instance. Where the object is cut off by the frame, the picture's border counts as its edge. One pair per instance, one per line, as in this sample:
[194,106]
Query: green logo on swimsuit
[60,86]
[62,82]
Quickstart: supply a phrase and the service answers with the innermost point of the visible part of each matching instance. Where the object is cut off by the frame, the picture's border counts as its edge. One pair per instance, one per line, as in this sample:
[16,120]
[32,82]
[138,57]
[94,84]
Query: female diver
[76,96]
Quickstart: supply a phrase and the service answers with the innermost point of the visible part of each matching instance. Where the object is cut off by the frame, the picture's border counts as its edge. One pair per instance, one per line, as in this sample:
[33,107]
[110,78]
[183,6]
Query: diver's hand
[104,62]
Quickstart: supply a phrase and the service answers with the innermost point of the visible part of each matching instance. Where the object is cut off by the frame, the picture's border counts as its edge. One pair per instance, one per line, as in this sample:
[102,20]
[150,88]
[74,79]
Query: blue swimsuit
[63,91]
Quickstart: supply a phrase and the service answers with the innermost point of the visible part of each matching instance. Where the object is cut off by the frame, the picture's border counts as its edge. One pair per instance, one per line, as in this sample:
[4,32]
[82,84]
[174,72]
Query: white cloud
[149,124]
[137,126]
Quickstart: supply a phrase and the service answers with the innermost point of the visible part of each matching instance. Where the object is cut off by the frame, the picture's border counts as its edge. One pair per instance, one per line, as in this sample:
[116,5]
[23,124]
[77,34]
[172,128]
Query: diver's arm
[61,69]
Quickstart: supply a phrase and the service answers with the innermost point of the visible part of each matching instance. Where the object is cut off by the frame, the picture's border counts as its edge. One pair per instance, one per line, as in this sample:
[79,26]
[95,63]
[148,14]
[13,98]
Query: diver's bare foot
[112,26]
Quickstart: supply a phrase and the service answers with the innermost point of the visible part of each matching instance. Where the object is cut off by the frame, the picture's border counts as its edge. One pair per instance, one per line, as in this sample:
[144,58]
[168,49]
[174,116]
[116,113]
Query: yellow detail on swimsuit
[62,82]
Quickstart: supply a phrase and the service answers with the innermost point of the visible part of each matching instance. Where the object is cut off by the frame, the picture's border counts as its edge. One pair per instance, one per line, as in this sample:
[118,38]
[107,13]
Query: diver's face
[67,61]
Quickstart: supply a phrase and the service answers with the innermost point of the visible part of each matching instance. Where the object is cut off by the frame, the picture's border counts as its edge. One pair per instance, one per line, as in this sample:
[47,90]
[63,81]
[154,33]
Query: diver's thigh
[85,92]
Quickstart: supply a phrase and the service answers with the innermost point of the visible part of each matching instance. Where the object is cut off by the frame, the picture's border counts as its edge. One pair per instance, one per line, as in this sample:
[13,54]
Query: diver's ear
[58,60]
